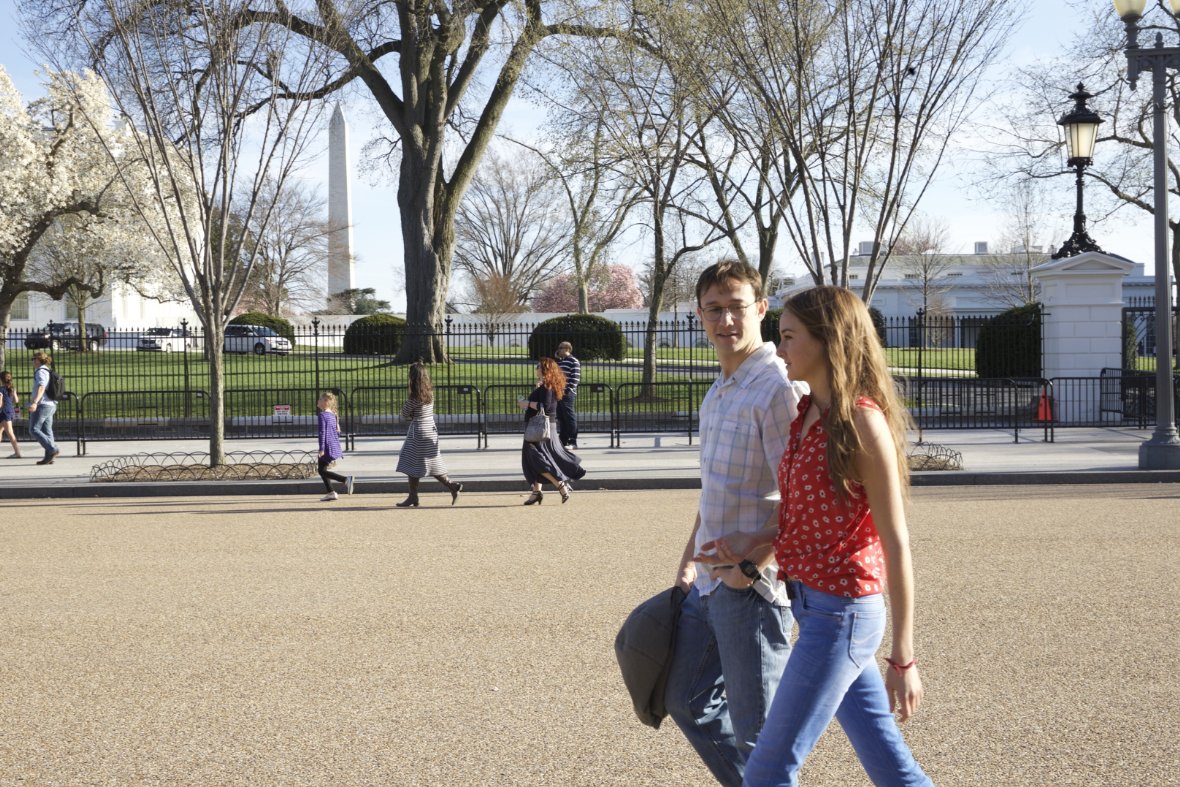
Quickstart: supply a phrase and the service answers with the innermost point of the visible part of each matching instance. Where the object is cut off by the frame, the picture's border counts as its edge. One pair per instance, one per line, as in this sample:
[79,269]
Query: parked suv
[166,340]
[65,335]
[254,338]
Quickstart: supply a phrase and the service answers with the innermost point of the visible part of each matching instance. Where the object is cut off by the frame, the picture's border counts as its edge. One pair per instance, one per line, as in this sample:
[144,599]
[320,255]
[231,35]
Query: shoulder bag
[537,428]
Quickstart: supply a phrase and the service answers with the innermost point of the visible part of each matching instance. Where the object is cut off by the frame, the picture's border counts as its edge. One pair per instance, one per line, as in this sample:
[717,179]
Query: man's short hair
[729,273]
[565,346]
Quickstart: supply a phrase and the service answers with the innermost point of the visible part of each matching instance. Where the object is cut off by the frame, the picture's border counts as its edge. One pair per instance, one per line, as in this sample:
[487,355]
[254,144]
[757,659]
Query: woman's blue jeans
[833,671]
[41,425]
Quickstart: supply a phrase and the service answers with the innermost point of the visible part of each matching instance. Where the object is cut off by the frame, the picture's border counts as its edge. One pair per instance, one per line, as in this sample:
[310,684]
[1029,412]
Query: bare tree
[494,299]
[207,94]
[1009,278]
[921,255]
[598,206]
[289,273]
[865,98]
[511,229]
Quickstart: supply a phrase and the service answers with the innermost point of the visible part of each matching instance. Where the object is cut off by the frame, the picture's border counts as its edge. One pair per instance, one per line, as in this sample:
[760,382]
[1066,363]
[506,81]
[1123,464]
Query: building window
[20,307]
[854,276]
[71,310]
[911,275]
[953,275]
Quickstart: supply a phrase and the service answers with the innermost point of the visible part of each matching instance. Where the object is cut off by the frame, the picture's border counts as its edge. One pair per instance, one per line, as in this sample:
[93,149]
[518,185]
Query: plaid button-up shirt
[745,425]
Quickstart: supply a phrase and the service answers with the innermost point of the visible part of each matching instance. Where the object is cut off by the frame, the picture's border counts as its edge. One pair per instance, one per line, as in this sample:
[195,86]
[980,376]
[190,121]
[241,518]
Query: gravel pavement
[277,640]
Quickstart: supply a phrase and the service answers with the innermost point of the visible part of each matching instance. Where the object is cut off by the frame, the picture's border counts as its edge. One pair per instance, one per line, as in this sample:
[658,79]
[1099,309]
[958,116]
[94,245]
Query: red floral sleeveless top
[827,542]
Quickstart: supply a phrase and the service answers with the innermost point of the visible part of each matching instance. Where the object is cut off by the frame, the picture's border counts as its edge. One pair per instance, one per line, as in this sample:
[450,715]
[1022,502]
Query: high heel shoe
[455,490]
[535,497]
[563,489]
[409,502]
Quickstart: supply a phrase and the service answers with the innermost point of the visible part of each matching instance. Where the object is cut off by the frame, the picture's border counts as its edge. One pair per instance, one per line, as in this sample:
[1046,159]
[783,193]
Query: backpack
[56,389]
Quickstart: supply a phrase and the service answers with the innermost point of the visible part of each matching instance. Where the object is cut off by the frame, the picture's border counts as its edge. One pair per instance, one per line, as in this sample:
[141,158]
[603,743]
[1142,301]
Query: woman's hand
[904,687]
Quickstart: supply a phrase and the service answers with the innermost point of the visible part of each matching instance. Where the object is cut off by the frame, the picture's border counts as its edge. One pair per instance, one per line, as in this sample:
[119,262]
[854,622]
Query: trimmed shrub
[377,334]
[1010,344]
[770,325]
[592,336]
[879,323]
[279,325]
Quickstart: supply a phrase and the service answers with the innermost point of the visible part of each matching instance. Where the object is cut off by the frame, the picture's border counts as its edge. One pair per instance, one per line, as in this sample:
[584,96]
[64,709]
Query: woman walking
[547,460]
[841,543]
[9,399]
[330,451]
[420,455]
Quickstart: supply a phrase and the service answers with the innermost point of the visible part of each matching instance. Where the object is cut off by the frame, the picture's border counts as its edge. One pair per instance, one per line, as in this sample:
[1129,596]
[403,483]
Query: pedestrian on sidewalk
[9,401]
[841,533]
[420,455]
[567,416]
[733,636]
[547,460]
[330,451]
[42,407]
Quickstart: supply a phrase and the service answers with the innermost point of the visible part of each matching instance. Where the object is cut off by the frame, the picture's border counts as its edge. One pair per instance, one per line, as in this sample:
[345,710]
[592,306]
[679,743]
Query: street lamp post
[1081,131]
[1162,451]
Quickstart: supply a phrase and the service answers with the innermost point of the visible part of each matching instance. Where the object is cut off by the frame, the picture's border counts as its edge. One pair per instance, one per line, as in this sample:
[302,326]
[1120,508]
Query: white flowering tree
[217,113]
[55,171]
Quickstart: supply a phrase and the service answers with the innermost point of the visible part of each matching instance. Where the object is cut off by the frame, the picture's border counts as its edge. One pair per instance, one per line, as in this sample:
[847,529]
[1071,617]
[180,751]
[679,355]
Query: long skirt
[420,456]
[548,456]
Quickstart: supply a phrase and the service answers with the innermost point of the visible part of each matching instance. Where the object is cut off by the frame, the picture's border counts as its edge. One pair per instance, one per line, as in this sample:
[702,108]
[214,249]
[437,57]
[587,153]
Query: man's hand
[686,576]
[732,576]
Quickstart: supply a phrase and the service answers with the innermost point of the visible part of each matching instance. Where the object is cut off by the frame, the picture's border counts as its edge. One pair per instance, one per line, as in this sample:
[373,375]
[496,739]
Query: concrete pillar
[1083,300]
[340,261]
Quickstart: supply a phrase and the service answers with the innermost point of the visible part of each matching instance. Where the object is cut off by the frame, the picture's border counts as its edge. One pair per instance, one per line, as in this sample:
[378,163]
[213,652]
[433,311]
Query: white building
[960,285]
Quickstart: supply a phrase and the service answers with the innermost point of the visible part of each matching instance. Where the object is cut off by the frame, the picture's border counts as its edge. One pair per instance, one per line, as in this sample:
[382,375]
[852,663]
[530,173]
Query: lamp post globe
[1081,132]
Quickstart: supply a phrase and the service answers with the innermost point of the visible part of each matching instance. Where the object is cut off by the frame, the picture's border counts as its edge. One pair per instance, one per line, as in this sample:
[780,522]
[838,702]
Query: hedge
[377,334]
[278,324]
[1010,344]
[592,336]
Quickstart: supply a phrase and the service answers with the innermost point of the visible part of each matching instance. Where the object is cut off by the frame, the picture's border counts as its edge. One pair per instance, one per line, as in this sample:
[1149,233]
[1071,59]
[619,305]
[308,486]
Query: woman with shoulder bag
[542,456]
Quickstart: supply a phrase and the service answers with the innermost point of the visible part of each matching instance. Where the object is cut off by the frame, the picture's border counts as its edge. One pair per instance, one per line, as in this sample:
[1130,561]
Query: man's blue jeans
[833,672]
[41,425]
[567,419]
[731,647]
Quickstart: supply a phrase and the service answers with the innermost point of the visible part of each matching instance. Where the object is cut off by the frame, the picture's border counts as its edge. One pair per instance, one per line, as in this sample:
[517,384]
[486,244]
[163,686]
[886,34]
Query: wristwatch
[751,570]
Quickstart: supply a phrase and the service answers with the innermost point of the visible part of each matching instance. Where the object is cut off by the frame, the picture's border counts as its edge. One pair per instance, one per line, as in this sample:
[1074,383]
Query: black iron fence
[119,392]
[1139,332]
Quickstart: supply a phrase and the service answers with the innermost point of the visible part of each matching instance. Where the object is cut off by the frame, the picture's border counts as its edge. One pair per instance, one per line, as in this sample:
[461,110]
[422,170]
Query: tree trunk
[215,346]
[428,233]
[5,317]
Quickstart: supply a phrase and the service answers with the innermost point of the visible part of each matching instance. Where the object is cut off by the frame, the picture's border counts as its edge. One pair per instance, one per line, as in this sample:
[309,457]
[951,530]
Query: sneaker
[47,460]
[348,484]
[329,497]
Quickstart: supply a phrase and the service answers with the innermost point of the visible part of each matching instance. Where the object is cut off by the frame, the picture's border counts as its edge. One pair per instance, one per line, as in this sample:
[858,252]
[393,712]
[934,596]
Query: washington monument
[339,210]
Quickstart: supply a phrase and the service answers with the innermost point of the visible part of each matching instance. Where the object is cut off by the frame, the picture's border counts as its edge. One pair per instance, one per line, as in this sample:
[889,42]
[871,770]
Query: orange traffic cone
[1044,408]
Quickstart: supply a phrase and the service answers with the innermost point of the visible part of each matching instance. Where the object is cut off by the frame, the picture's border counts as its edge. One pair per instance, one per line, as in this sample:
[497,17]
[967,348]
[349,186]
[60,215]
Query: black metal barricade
[140,415]
[657,407]
[283,413]
[377,411]
[998,403]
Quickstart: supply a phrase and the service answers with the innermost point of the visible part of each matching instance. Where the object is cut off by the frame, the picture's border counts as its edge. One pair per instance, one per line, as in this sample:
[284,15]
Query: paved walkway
[641,462]
[274,640]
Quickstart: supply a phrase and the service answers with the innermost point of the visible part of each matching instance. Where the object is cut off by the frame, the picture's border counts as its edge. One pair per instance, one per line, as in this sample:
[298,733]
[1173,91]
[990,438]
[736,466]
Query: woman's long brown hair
[856,362]
[421,388]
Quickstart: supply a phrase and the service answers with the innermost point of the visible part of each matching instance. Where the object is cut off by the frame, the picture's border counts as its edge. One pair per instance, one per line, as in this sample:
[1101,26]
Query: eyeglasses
[736,311]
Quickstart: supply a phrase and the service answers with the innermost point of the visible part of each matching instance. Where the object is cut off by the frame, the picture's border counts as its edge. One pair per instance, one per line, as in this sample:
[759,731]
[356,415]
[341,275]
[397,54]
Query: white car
[166,340]
[257,339]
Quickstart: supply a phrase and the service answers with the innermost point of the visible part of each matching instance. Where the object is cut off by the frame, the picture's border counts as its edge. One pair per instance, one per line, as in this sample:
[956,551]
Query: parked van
[257,339]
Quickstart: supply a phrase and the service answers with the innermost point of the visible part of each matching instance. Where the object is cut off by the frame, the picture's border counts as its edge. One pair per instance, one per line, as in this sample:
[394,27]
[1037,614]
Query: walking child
[329,427]
[9,400]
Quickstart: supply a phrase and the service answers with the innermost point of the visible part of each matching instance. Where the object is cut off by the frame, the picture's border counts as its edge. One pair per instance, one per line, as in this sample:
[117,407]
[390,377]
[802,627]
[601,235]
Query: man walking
[732,640]
[567,418]
[42,407]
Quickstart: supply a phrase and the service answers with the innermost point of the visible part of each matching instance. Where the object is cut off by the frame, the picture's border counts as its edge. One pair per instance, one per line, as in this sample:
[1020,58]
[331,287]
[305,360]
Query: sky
[952,199]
